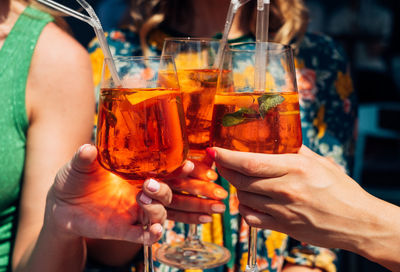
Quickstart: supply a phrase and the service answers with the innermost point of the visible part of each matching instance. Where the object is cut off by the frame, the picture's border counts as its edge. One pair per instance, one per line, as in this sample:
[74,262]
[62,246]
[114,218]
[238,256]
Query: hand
[195,179]
[86,200]
[304,195]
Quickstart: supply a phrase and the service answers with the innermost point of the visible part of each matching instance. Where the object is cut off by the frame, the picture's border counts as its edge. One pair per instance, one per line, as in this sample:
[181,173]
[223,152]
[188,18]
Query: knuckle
[251,167]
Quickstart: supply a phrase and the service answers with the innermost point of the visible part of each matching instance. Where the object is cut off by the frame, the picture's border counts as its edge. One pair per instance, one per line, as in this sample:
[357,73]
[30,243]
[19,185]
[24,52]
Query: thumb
[83,162]
[84,159]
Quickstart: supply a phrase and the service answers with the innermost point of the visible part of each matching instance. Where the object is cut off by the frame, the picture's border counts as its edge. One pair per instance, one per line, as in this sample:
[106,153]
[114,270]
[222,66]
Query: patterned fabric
[328,115]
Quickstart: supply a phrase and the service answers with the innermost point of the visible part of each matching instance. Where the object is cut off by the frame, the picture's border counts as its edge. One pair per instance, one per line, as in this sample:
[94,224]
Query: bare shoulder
[57,48]
[60,69]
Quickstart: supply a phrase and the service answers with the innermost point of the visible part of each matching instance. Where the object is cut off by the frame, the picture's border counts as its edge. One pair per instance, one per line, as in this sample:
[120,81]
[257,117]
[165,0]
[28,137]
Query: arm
[329,110]
[60,107]
[313,200]
[298,268]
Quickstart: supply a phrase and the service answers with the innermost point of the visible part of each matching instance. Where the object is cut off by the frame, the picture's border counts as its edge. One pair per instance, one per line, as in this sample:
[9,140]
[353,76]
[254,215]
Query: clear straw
[259,84]
[261,46]
[66,10]
[233,8]
[94,21]
[98,29]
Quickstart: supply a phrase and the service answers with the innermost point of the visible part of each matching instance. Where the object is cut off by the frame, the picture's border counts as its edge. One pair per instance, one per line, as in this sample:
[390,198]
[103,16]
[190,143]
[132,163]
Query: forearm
[380,240]
[53,252]
[298,268]
[111,252]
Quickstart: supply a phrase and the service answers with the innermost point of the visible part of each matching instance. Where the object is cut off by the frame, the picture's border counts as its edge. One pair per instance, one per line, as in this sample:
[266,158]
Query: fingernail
[211,175]
[153,185]
[158,229]
[83,147]
[211,153]
[205,219]
[220,193]
[218,208]
[189,166]
[145,199]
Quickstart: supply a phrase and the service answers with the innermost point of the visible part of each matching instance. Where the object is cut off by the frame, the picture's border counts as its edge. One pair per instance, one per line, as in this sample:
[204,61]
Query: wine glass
[253,117]
[141,130]
[194,59]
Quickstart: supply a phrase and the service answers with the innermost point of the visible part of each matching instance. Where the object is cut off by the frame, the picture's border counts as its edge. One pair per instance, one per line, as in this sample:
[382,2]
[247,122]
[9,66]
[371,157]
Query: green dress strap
[15,60]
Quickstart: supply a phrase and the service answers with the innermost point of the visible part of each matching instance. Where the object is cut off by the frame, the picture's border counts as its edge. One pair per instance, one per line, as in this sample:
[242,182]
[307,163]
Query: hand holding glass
[266,120]
[197,76]
[140,132]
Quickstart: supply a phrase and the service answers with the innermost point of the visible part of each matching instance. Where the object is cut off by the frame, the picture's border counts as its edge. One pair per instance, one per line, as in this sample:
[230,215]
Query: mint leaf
[238,117]
[269,101]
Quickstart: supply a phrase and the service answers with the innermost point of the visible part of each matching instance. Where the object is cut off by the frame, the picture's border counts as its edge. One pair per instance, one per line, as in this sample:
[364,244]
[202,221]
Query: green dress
[15,59]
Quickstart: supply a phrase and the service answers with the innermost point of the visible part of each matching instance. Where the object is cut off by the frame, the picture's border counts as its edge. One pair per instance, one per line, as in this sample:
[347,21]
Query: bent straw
[233,8]
[261,46]
[94,21]
[66,10]
[98,29]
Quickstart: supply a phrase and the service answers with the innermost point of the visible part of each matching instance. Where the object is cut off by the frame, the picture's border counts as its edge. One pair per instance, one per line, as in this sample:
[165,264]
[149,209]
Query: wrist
[380,237]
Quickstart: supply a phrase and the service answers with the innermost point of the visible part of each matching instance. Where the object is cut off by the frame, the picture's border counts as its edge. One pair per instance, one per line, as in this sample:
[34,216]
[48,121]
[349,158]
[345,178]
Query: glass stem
[193,236]
[252,251]
[148,253]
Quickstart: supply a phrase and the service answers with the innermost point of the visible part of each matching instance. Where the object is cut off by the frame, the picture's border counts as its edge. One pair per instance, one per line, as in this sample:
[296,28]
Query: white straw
[94,21]
[233,8]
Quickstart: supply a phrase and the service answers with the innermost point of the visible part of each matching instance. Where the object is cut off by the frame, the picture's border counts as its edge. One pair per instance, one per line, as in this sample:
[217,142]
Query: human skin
[311,199]
[207,20]
[60,108]
[87,202]
[195,179]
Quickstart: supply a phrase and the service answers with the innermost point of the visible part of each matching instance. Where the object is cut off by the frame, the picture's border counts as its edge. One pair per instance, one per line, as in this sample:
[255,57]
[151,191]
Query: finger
[194,204]
[203,171]
[260,203]
[257,219]
[84,160]
[209,158]
[188,217]
[198,187]
[158,191]
[83,163]
[154,210]
[182,171]
[262,186]
[114,229]
[255,164]
[137,234]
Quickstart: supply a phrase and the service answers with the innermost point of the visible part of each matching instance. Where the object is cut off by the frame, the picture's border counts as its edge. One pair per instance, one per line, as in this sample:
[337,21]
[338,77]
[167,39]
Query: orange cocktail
[198,90]
[140,133]
[257,122]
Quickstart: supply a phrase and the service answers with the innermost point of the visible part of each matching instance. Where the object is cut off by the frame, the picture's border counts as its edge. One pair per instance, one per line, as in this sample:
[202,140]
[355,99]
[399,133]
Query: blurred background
[370,33]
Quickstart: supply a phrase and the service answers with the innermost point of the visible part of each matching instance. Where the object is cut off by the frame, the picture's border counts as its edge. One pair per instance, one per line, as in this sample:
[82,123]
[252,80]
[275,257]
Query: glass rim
[131,58]
[190,39]
[275,47]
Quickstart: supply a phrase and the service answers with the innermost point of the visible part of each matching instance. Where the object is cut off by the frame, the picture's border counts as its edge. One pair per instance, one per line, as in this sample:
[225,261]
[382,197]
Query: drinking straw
[261,47]
[66,10]
[233,8]
[94,21]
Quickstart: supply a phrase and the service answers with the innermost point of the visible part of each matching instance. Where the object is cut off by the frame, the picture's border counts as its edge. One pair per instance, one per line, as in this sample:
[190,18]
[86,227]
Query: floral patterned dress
[328,115]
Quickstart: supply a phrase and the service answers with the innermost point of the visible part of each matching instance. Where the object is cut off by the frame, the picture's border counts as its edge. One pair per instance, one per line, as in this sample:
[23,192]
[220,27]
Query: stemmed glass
[141,130]
[194,59]
[251,119]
